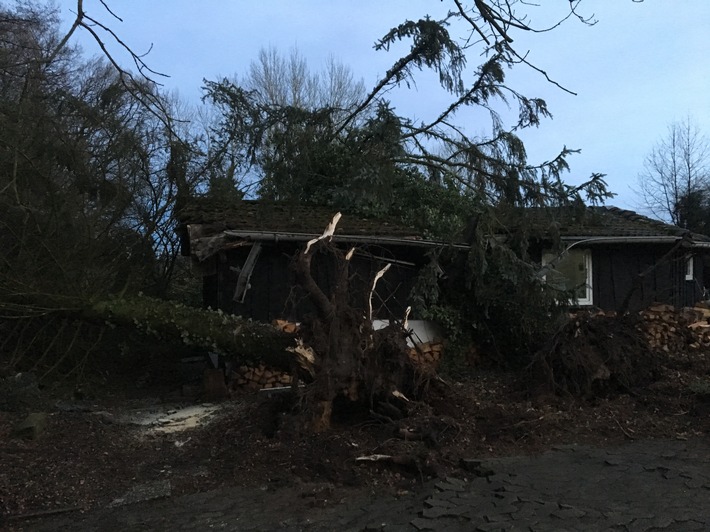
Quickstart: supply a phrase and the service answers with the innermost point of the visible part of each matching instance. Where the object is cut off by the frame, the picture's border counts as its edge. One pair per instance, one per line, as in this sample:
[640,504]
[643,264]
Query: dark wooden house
[244,251]
[605,255]
[608,255]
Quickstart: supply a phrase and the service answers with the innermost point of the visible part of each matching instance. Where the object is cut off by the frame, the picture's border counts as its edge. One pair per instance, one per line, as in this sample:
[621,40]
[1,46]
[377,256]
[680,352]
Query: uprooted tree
[94,172]
[434,175]
[353,361]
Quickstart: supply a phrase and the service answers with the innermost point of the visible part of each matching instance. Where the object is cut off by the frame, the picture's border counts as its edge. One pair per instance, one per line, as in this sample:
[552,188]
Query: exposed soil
[86,457]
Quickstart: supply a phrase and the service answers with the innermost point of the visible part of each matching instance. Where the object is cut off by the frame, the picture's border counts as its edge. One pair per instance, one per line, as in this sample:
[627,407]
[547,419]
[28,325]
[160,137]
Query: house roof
[607,224]
[211,225]
[282,218]
[214,224]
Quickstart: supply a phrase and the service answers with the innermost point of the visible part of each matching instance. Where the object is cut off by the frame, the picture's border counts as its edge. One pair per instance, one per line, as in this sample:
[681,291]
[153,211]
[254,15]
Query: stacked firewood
[426,357]
[259,377]
[665,328]
[675,330]
[700,328]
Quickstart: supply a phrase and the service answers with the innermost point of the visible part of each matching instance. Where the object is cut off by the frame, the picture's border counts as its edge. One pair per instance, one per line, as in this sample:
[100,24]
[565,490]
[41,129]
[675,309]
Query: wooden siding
[615,268]
[272,293]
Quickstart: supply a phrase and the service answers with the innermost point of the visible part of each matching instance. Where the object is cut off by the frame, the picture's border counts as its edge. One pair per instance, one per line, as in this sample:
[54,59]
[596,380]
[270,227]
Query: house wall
[616,268]
[273,293]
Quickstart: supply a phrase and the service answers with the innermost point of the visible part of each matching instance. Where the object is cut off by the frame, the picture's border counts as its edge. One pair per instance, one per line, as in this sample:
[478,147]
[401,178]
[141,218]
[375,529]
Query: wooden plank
[245,273]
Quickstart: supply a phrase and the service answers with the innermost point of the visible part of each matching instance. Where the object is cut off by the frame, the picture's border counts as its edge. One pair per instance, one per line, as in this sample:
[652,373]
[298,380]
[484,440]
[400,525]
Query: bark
[246,342]
[354,362]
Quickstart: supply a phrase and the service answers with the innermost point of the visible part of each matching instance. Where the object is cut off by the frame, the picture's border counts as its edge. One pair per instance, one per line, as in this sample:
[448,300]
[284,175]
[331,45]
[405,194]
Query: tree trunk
[353,362]
[246,342]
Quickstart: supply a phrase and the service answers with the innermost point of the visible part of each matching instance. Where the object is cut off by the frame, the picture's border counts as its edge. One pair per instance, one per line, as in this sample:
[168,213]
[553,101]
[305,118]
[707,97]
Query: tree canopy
[97,162]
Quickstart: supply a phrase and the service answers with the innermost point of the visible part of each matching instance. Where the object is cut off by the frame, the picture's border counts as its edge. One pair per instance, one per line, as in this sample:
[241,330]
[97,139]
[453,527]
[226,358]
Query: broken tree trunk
[353,362]
[245,342]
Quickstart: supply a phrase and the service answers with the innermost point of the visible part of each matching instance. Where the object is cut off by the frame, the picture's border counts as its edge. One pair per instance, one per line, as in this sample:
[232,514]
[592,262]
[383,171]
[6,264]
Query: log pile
[426,357]
[665,328]
[262,376]
[286,326]
[700,328]
[257,378]
[674,331]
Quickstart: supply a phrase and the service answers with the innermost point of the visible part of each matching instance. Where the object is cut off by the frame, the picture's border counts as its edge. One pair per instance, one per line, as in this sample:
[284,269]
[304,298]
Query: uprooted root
[595,353]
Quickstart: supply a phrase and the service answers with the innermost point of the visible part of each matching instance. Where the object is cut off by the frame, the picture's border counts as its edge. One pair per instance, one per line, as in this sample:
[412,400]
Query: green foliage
[87,174]
[693,211]
[431,176]
[232,336]
[432,47]
[91,179]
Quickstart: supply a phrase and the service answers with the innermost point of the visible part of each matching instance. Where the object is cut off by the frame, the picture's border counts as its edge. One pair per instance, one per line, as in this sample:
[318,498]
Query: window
[689,268]
[572,272]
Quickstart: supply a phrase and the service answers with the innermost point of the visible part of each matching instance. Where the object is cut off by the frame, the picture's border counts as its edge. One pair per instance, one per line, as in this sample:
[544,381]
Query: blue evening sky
[641,67]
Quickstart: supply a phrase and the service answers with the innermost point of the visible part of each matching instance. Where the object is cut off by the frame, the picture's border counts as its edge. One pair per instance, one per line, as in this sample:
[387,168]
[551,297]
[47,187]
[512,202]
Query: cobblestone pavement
[648,485]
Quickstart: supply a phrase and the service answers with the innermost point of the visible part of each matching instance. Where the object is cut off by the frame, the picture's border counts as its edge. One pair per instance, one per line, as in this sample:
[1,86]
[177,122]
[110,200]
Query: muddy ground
[100,443]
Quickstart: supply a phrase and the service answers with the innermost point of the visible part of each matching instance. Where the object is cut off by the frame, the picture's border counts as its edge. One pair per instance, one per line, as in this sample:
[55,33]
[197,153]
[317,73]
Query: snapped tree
[364,157]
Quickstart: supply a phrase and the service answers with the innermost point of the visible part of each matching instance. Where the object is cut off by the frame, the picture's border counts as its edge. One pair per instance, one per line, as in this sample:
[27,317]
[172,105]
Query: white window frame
[550,257]
[689,268]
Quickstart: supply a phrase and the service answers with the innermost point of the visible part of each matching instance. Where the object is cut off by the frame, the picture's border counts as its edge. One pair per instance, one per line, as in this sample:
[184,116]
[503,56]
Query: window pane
[570,274]
[573,269]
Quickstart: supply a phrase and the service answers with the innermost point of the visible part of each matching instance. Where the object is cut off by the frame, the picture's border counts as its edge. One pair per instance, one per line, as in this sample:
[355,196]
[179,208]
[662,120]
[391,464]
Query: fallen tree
[336,350]
[240,340]
[63,336]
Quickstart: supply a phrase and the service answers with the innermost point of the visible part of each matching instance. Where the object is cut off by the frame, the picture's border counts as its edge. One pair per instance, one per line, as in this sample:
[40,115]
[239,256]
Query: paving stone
[546,507]
[440,503]
[471,496]
[477,467]
[617,518]
[457,482]
[560,490]
[481,510]
[569,513]
[505,496]
[489,527]
[691,524]
[435,512]
[669,454]
[422,524]
[497,485]
[496,517]
[446,485]
[695,484]
[526,512]
[460,513]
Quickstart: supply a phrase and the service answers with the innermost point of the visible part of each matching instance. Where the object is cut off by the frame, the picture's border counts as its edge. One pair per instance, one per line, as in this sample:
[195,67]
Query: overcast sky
[641,67]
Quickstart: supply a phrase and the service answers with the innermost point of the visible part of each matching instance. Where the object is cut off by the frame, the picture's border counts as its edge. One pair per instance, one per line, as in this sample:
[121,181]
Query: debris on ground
[88,456]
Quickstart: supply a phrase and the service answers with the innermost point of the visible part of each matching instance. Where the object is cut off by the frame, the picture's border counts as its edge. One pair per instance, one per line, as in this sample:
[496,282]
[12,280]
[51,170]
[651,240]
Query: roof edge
[363,239]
